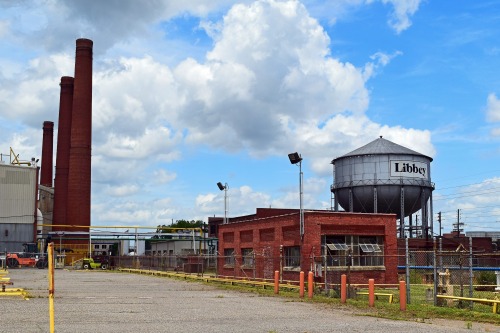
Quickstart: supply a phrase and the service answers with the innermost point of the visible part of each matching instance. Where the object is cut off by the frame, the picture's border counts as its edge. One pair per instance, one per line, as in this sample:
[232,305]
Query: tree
[174,227]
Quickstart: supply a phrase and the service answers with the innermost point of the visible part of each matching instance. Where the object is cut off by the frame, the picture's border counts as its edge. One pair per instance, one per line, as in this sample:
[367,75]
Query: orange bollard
[371,293]
[301,284]
[343,288]
[277,282]
[310,284]
[402,295]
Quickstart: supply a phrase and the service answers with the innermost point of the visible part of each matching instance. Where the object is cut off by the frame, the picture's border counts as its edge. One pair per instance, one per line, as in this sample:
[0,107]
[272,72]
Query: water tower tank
[384,177]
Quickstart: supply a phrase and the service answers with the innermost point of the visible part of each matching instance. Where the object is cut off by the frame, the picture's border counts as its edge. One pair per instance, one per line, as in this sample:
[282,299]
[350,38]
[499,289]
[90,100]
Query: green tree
[172,228]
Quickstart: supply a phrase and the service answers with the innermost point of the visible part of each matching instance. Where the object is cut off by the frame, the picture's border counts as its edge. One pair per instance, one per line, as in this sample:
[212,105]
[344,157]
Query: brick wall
[270,230]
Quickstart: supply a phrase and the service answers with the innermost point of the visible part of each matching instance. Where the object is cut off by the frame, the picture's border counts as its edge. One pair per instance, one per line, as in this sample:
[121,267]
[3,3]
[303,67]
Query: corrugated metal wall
[17,206]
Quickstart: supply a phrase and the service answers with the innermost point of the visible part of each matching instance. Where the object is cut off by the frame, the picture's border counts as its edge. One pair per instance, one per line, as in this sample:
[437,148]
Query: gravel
[97,301]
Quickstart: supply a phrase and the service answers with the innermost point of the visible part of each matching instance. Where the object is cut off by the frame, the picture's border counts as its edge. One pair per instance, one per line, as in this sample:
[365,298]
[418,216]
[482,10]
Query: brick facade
[265,237]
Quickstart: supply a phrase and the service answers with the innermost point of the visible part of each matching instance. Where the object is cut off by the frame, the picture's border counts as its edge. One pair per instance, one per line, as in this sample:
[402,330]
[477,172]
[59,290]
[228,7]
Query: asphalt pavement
[99,301]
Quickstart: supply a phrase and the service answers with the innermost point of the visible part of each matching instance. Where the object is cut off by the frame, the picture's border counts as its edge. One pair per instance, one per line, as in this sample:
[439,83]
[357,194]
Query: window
[338,250]
[370,252]
[291,256]
[104,246]
[247,257]
[228,237]
[229,257]
[96,246]
[354,250]
[246,236]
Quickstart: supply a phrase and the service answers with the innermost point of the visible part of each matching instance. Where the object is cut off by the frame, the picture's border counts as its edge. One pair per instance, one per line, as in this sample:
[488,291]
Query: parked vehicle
[89,263]
[14,260]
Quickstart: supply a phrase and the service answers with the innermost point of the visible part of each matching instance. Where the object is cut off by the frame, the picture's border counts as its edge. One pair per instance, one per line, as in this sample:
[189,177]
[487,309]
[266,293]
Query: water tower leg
[410,225]
[402,217]
[431,215]
[351,208]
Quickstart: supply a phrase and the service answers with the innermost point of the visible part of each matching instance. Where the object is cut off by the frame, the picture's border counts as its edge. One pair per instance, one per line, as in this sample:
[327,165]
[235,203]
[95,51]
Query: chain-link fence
[460,272]
[451,273]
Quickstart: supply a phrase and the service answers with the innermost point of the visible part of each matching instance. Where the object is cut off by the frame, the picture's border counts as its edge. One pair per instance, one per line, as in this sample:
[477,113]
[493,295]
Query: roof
[381,146]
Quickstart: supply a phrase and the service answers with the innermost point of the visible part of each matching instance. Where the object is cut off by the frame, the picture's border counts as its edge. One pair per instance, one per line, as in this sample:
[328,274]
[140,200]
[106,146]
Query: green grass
[419,310]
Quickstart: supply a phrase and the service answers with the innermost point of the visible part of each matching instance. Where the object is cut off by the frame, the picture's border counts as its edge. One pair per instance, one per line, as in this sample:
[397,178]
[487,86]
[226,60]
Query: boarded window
[291,233]
[267,235]
[246,236]
[228,237]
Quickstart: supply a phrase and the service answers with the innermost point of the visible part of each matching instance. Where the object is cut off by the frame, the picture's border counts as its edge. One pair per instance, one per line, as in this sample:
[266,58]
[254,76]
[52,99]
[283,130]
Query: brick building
[333,243]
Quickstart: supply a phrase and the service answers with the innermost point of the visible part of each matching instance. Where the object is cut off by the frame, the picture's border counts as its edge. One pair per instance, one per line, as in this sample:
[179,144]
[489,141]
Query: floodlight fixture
[224,188]
[294,158]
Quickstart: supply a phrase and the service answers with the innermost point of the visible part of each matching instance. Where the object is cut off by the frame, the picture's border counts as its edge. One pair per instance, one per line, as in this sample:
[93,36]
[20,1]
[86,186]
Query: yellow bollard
[50,258]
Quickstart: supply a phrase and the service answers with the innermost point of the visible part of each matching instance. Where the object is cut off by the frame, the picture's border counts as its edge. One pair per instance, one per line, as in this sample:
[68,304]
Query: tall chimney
[79,177]
[47,153]
[62,159]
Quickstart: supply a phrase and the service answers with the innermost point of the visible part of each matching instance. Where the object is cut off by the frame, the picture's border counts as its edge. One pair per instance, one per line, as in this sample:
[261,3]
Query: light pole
[60,234]
[295,158]
[224,188]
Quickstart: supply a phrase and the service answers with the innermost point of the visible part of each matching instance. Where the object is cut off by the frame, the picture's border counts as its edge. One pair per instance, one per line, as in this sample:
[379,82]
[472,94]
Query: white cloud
[403,9]
[122,190]
[493,108]
[256,87]
[164,176]
[269,83]
[33,95]
[478,204]
[493,113]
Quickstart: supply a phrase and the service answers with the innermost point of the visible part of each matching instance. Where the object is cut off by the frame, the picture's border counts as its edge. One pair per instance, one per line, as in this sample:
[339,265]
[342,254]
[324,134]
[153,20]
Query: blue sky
[189,94]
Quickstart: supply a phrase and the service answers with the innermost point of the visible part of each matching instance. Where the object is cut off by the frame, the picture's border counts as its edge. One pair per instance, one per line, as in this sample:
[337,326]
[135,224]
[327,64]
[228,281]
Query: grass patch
[420,310]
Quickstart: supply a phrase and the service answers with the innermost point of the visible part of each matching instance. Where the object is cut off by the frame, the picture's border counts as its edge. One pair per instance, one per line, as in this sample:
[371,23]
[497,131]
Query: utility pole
[458,225]
[439,221]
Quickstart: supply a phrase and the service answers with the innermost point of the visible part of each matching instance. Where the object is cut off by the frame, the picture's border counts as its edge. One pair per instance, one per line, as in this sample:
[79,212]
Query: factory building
[18,203]
[257,245]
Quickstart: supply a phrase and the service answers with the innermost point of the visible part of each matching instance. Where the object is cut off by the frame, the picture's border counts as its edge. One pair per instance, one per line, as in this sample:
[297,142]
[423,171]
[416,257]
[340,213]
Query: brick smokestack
[47,153]
[63,145]
[79,177]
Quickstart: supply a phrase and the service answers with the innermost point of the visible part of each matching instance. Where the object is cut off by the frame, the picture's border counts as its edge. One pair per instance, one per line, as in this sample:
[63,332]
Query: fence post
[50,258]
[434,258]
[371,293]
[310,284]
[277,282]
[402,296]
[471,274]
[301,284]
[343,288]
[216,264]
[325,263]
[407,264]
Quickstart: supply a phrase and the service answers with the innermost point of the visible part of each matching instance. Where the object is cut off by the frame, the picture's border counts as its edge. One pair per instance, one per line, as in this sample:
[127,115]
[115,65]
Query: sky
[190,93]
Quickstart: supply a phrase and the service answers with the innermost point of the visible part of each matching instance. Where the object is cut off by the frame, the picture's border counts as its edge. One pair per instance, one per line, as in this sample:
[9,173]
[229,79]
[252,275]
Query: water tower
[384,177]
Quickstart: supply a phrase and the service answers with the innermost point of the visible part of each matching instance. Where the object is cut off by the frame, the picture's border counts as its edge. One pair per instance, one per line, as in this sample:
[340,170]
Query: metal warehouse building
[18,205]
